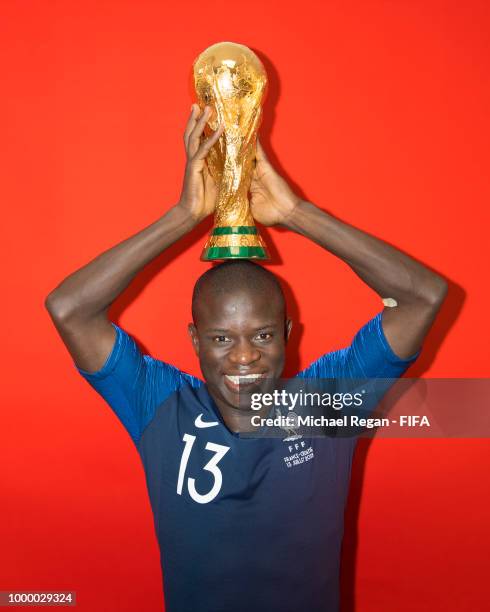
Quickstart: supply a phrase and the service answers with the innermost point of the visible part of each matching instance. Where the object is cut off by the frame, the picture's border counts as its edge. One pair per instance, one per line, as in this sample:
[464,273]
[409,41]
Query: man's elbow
[58,308]
[435,295]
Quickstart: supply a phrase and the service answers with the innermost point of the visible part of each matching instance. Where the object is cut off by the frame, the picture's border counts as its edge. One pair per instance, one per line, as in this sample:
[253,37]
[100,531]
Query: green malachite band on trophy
[234,252]
[237,229]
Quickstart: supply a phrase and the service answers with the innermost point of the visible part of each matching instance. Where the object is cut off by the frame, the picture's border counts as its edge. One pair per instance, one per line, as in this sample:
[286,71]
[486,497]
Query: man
[241,526]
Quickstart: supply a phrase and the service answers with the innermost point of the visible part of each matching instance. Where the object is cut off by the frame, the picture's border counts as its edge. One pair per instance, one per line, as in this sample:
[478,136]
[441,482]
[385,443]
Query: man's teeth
[236,380]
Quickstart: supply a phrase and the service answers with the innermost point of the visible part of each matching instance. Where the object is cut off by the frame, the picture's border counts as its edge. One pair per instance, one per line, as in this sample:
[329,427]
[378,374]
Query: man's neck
[240,420]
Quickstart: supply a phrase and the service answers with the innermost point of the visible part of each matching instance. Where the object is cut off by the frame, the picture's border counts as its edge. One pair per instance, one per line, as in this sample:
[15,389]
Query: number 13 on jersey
[211,466]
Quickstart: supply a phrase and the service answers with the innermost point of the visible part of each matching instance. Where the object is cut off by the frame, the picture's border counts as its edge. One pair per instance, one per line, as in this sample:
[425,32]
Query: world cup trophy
[231,79]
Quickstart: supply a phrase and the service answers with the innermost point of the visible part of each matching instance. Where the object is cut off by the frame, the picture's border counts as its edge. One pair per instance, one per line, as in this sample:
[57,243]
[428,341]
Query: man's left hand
[272,200]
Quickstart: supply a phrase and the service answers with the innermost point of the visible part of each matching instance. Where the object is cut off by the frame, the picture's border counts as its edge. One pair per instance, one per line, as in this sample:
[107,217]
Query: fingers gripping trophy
[232,80]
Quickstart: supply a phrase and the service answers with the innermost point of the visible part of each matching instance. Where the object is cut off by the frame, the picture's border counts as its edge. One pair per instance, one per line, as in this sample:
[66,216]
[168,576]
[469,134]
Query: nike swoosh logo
[200,423]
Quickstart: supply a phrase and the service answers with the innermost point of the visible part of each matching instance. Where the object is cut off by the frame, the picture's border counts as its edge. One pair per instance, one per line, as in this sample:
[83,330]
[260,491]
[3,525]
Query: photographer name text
[345,421]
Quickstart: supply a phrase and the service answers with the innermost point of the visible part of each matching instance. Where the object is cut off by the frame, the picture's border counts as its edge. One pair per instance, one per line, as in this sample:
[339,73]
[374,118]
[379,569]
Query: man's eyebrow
[225,331]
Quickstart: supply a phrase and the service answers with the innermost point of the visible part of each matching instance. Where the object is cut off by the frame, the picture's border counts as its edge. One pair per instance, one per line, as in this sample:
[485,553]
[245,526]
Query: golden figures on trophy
[232,80]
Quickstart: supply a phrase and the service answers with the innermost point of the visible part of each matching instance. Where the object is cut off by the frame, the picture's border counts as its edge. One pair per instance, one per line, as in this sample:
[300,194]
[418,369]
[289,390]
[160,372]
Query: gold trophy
[232,80]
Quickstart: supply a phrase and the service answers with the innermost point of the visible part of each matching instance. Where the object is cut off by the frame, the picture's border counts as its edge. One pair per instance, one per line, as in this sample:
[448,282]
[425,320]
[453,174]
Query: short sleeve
[133,384]
[368,356]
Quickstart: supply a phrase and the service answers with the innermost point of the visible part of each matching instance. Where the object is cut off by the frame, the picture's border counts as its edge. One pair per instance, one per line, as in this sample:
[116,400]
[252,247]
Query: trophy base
[234,252]
[234,242]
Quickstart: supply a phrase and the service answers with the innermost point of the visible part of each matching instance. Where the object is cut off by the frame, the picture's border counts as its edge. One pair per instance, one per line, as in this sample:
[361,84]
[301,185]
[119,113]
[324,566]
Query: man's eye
[265,336]
[220,339]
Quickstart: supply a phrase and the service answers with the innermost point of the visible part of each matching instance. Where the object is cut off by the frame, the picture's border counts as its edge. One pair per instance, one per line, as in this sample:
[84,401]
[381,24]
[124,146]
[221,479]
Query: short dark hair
[236,274]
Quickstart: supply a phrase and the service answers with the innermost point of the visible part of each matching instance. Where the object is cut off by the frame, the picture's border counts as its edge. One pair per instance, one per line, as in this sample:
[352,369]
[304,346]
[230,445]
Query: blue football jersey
[242,526]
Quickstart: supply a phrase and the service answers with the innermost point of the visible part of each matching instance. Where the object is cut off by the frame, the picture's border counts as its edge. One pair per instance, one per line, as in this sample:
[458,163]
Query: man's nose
[244,353]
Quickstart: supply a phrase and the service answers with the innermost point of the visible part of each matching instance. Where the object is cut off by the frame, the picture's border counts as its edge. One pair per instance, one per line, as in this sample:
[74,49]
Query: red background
[377,112]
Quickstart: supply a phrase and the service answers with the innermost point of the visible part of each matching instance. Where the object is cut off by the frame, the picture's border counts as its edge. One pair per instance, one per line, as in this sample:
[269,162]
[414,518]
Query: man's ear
[287,329]
[191,328]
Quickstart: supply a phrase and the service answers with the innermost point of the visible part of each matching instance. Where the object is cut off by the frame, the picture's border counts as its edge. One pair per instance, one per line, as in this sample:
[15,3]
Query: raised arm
[80,303]
[416,292]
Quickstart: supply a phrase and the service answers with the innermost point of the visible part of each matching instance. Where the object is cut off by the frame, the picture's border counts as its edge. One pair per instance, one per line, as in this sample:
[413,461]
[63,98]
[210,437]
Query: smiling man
[243,523]
[232,303]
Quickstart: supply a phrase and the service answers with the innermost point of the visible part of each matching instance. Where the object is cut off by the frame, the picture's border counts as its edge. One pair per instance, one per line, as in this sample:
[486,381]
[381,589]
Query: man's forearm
[91,289]
[388,271]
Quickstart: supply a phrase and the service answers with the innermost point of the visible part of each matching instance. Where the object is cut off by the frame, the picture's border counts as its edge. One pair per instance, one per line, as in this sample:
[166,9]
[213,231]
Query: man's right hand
[198,197]
[79,305]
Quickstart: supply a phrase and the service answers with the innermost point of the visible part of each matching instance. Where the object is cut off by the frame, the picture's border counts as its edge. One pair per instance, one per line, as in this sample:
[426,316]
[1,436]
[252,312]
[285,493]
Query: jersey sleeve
[371,361]
[134,384]
[368,356]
